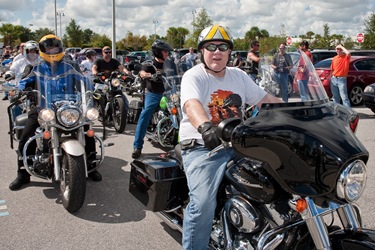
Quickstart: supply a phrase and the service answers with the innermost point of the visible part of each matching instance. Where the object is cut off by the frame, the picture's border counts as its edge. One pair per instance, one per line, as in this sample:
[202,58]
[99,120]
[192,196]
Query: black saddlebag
[135,109]
[153,180]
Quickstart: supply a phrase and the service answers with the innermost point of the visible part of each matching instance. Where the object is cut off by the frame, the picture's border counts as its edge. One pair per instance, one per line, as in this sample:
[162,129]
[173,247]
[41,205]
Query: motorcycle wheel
[73,182]
[120,113]
[167,134]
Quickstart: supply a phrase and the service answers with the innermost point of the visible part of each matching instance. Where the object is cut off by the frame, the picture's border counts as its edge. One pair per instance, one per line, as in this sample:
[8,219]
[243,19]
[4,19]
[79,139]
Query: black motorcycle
[111,102]
[298,167]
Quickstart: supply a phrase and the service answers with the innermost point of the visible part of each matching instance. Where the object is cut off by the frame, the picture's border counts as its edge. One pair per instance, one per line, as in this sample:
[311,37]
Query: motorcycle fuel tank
[249,177]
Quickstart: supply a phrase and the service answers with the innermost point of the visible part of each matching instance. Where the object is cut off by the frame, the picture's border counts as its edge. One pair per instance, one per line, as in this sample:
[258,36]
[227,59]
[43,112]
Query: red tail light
[354,123]
[126,59]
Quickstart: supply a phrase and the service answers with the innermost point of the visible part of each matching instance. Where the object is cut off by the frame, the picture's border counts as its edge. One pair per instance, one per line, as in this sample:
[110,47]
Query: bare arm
[123,69]
[347,52]
[196,113]
[94,69]
[253,57]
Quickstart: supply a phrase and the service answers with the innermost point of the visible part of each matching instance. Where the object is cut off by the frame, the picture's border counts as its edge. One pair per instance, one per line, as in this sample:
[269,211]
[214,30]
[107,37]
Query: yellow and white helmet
[215,33]
[51,48]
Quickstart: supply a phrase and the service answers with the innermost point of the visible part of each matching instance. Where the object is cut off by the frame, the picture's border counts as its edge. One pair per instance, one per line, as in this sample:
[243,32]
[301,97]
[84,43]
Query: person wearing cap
[107,64]
[210,93]
[339,73]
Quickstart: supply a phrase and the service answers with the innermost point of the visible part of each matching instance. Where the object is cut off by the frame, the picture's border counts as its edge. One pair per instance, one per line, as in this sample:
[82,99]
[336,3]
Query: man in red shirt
[339,73]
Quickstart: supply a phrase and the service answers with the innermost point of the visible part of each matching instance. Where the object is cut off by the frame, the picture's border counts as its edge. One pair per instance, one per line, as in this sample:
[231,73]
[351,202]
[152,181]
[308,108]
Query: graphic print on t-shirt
[224,104]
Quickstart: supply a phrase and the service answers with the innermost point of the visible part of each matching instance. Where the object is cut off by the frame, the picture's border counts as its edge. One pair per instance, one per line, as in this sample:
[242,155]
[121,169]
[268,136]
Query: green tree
[87,35]
[199,23]
[369,42]
[100,41]
[74,34]
[133,42]
[41,32]
[176,36]
[10,33]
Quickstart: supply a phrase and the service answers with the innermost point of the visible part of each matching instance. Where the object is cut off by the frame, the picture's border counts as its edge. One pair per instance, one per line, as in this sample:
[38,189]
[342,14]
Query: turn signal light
[46,135]
[90,133]
[353,124]
[173,111]
[301,205]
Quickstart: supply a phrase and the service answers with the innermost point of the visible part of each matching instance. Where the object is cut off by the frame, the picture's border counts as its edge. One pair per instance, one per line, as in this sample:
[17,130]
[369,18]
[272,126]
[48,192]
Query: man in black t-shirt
[154,93]
[107,64]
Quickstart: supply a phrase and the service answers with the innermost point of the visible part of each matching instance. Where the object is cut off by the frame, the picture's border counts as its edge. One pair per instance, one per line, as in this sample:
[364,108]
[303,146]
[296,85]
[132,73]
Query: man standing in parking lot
[107,64]
[252,60]
[190,58]
[339,73]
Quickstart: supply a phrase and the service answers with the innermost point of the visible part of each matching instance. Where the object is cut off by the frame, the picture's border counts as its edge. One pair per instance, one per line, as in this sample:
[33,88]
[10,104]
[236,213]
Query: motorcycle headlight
[175,98]
[370,89]
[115,82]
[92,114]
[68,115]
[46,115]
[352,181]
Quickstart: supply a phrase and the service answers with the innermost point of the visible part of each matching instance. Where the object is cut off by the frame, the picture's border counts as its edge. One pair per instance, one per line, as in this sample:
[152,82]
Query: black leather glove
[208,131]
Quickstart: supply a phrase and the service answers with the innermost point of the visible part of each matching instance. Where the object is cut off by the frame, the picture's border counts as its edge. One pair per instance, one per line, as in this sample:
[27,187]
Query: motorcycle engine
[244,216]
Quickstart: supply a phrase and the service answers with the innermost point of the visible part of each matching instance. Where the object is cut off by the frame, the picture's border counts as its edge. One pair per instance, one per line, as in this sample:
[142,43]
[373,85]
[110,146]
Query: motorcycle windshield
[305,141]
[291,77]
[67,86]
[173,71]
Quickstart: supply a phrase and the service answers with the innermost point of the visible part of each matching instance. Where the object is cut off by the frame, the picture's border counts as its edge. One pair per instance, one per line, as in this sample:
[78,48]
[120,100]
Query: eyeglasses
[213,47]
[282,48]
[256,45]
[107,52]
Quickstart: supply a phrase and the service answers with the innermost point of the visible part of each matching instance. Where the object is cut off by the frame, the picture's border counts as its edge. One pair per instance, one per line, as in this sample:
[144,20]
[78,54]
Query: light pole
[193,12]
[55,20]
[30,24]
[155,22]
[60,13]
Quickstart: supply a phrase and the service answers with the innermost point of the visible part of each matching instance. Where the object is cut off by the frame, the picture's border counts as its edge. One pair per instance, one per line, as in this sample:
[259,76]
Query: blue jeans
[303,90]
[339,89]
[152,101]
[204,175]
[282,79]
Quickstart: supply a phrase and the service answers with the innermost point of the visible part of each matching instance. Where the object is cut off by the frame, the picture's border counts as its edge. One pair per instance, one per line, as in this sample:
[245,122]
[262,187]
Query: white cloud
[296,17]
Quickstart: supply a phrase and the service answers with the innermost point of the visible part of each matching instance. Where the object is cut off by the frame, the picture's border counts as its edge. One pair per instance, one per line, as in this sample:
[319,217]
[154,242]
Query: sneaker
[95,176]
[19,181]
[136,153]
[5,98]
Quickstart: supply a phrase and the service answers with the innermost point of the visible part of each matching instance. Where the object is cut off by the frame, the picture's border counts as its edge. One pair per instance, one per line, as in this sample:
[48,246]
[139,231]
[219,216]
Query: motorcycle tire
[167,134]
[73,182]
[120,114]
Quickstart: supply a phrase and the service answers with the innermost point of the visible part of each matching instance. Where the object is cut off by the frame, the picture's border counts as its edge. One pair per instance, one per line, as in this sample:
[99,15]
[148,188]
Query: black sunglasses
[213,47]
[107,52]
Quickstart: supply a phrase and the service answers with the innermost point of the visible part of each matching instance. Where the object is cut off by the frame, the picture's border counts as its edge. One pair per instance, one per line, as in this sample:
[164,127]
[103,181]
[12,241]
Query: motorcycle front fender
[349,239]
[73,147]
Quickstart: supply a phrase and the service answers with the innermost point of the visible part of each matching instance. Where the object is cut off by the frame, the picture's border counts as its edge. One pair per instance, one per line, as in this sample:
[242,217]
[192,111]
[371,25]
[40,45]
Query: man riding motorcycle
[51,51]
[210,92]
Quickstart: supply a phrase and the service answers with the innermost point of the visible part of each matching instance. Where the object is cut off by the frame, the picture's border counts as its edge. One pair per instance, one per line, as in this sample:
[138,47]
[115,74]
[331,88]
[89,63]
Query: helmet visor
[51,46]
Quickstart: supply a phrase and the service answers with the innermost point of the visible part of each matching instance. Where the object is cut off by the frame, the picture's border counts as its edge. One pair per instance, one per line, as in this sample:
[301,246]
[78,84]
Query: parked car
[81,55]
[243,56]
[139,56]
[369,97]
[321,54]
[361,74]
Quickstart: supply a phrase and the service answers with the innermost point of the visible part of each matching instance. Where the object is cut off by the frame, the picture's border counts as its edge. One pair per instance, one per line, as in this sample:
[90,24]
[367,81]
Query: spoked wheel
[73,182]
[120,113]
[167,134]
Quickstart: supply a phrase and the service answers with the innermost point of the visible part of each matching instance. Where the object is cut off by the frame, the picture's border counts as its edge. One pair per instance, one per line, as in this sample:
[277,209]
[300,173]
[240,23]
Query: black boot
[22,178]
[136,153]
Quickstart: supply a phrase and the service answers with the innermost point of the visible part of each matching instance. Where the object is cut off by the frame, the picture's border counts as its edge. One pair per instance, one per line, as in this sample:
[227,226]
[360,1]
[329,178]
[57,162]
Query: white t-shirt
[221,97]
[19,66]
[86,66]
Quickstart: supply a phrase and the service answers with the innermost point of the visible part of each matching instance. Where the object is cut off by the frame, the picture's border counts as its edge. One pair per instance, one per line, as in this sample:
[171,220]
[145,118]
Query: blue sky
[143,17]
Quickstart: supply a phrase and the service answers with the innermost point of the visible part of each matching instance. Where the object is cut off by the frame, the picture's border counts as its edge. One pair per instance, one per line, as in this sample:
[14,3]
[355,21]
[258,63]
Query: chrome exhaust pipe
[171,222]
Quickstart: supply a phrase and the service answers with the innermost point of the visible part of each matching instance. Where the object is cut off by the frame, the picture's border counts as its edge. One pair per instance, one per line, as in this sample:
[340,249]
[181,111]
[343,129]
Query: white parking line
[3,207]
